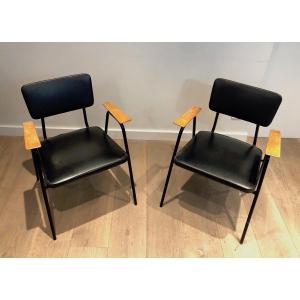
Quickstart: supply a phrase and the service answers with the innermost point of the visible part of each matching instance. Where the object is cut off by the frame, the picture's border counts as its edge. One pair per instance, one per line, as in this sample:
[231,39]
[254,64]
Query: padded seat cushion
[77,153]
[222,158]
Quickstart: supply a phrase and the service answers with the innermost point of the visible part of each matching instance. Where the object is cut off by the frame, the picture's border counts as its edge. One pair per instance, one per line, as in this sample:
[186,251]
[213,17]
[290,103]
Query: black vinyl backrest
[59,95]
[244,102]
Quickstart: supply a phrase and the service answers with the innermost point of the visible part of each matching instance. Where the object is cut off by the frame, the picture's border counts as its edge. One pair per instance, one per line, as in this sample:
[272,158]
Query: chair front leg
[129,164]
[256,194]
[171,167]
[249,218]
[44,191]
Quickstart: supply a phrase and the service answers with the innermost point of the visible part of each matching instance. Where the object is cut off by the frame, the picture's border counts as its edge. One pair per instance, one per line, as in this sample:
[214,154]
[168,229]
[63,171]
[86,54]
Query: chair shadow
[28,165]
[148,176]
[78,202]
[201,197]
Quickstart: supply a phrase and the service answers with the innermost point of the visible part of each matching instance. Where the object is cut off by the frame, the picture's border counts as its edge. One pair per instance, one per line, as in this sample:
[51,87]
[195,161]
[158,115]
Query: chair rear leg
[129,160]
[132,181]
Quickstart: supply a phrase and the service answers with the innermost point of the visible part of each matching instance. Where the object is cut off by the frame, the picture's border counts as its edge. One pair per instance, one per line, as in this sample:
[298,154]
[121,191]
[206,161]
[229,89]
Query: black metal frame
[261,175]
[44,128]
[171,166]
[127,151]
[256,134]
[40,177]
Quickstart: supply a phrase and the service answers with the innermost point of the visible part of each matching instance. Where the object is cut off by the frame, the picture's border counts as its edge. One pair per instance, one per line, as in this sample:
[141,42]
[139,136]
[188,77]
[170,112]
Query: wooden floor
[95,216]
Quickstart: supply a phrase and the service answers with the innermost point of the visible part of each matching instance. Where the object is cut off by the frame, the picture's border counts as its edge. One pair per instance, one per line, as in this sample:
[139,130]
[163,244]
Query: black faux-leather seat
[222,158]
[72,155]
[225,159]
[79,153]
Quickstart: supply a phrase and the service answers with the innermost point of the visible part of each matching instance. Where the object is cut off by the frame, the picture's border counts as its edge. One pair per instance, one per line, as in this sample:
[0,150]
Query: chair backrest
[244,102]
[59,95]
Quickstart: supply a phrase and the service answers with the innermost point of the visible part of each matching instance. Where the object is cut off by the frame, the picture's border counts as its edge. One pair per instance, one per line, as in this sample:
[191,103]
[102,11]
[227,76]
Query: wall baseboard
[137,134]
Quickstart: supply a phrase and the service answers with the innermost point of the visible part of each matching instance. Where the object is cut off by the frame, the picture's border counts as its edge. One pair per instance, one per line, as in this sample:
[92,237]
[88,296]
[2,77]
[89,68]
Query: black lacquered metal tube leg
[132,181]
[48,209]
[35,165]
[249,218]
[261,179]
[129,164]
[171,167]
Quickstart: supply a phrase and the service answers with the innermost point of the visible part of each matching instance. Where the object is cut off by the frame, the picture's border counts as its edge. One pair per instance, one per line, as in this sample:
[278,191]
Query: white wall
[152,82]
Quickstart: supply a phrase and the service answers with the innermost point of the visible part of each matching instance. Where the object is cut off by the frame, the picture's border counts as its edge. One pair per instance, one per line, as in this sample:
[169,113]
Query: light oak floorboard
[177,229]
[95,216]
[90,252]
[128,225]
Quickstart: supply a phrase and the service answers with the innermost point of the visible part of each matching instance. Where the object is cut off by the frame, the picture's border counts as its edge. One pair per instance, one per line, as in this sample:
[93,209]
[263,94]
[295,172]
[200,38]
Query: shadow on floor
[77,202]
[198,198]
[28,165]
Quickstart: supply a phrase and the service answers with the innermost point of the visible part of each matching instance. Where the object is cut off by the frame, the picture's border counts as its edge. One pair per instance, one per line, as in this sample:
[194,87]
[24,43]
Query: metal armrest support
[121,118]
[182,121]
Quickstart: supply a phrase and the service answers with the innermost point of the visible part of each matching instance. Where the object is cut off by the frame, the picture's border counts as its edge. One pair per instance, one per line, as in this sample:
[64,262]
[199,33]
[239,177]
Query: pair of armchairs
[69,156]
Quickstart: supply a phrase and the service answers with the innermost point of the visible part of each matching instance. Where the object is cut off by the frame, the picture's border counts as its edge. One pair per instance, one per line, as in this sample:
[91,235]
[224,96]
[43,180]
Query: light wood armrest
[31,138]
[185,118]
[274,143]
[116,112]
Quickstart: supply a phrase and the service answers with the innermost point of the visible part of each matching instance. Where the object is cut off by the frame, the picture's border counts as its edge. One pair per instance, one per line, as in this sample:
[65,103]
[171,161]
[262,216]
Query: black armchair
[66,157]
[225,159]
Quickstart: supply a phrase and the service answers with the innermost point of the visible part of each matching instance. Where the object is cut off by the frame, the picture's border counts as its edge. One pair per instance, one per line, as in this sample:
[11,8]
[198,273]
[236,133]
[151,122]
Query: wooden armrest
[274,143]
[116,112]
[31,138]
[185,118]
